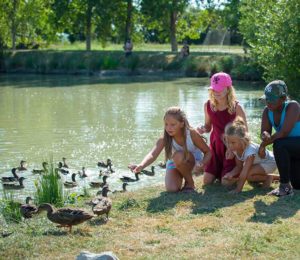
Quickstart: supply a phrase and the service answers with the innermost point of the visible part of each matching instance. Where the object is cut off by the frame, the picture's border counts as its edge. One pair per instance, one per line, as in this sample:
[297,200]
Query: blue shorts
[170,165]
[198,155]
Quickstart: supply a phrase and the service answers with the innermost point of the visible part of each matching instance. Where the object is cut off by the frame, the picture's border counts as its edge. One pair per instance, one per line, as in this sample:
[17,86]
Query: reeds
[9,208]
[49,188]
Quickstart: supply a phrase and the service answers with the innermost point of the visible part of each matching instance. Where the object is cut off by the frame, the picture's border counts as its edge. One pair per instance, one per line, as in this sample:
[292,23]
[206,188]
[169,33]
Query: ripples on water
[91,119]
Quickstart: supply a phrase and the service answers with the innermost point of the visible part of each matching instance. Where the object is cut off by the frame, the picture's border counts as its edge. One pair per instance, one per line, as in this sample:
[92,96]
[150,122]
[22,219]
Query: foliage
[49,188]
[273,32]
[10,209]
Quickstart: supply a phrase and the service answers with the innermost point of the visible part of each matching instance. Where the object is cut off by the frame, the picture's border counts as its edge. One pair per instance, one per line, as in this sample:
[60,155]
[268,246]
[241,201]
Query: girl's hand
[262,152]
[201,129]
[198,169]
[135,168]
[265,136]
[229,154]
[229,176]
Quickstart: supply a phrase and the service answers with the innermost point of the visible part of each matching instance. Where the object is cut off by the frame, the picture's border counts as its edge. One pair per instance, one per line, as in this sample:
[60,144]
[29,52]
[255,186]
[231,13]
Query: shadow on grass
[208,202]
[269,213]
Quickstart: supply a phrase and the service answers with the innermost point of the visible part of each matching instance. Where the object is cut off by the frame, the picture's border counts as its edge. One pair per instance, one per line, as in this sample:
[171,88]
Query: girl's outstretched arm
[198,141]
[206,128]
[244,173]
[149,158]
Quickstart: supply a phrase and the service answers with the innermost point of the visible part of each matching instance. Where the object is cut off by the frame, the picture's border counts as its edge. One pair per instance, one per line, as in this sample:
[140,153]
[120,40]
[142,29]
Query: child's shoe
[284,189]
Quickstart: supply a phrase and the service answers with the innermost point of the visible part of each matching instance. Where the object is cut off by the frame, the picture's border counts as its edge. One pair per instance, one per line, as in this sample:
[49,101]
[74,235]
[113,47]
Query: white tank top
[190,146]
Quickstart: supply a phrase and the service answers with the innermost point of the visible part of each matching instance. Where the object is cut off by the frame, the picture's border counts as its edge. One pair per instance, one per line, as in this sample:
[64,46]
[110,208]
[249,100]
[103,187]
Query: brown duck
[44,170]
[105,165]
[13,178]
[27,210]
[129,179]
[65,165]
[98,184]
[71,184]
[102,204]
[149,173]
[22,166]
[65,217]
[123,188]
[14,186]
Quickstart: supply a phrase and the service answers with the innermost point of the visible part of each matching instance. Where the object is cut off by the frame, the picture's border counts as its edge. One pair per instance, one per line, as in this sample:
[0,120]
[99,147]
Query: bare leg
[258,174]
[185,168]
[208,178]
[173,180]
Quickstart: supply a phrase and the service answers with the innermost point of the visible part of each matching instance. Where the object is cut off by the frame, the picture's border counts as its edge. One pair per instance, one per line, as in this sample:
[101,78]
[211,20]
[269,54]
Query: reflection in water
[88,119]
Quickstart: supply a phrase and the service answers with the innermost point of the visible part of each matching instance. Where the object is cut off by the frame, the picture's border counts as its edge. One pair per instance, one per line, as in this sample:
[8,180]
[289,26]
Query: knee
[178,158]
[208,179]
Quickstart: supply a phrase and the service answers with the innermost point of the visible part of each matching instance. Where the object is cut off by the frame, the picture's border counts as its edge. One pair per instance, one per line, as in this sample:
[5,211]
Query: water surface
[87,119]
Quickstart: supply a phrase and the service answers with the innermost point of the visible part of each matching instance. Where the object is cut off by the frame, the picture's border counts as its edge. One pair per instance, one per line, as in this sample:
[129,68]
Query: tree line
[269,28]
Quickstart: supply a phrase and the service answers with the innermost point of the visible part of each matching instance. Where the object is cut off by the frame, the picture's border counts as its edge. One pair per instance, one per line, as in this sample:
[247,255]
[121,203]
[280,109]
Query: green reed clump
[9,208]
[49,188]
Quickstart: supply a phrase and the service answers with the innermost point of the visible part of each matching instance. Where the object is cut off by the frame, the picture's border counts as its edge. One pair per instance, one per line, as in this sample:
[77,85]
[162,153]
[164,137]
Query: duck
[162,165]
[129,179]
[14,186]
[97,184]
[22,166]
[13,178]
[65,217]
[65,165]
[103,204]
[149,173]
[105,165]
[124,185]
[28,210]
[44,170]
[73,183]
[82,173]
[61,169]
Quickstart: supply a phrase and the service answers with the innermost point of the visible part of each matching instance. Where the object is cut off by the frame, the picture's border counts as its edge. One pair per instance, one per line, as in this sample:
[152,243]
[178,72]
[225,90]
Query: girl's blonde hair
[178,114]
[238,128]
[231,100]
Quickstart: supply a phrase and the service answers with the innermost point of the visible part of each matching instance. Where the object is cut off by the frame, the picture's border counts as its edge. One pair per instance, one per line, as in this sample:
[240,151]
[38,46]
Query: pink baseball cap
[220,81]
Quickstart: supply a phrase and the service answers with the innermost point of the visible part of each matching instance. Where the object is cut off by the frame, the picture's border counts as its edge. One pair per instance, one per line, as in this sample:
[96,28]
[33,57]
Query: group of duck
[67,217]
[16,182]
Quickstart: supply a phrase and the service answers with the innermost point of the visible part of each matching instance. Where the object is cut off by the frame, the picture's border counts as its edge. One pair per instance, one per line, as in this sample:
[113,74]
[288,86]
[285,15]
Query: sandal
[282,190]
[188,190]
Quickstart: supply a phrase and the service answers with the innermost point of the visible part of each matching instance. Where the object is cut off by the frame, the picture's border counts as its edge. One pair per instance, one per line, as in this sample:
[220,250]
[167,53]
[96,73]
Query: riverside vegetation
[202,62]
[154,224]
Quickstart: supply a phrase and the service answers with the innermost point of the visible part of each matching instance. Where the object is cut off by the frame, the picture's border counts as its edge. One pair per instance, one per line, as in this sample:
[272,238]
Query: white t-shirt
[252,149]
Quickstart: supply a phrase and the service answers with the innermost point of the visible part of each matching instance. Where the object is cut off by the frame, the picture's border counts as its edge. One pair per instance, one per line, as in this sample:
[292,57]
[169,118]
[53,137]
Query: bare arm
[244,173]
[206,128]
[291,117]
[150,157]
[201,144]
[240,112]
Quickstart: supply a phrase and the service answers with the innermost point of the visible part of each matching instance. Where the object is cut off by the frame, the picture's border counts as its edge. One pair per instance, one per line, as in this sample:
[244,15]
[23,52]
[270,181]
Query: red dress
[218,165]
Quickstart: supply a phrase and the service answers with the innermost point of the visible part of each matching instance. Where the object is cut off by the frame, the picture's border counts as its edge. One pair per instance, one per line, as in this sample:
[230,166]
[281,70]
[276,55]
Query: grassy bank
[153,224]
[198,64]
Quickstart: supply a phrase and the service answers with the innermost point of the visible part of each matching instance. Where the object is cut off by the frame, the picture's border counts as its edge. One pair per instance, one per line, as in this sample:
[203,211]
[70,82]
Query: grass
[154,224]
[145,47]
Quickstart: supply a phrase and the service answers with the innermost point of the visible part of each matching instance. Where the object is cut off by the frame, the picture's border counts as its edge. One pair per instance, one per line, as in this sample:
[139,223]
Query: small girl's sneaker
[284,189]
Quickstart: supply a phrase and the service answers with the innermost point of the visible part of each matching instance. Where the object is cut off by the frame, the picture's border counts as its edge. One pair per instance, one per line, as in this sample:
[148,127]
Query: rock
[85,255]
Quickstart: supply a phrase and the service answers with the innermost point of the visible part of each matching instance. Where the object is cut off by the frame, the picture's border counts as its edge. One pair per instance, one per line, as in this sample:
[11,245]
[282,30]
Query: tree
[273,32]
[167,13]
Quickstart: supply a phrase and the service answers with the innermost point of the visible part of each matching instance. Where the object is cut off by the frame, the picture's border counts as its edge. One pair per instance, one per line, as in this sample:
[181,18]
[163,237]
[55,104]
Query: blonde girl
[249,165]
[184,148]
[221,109]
